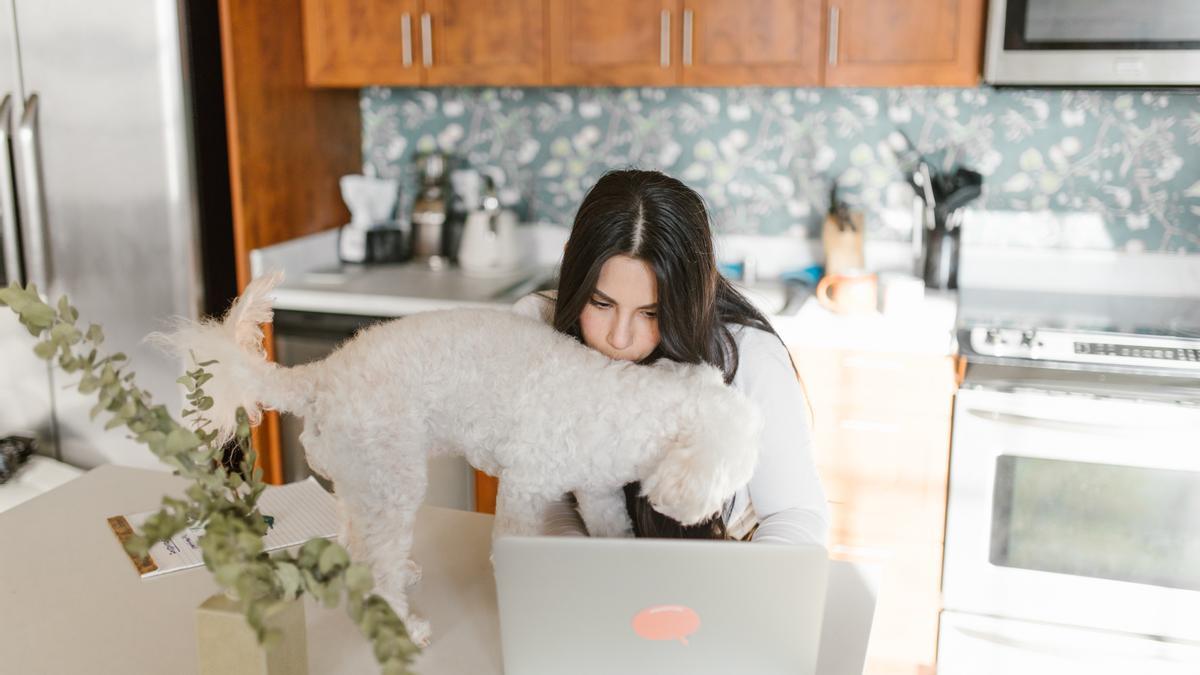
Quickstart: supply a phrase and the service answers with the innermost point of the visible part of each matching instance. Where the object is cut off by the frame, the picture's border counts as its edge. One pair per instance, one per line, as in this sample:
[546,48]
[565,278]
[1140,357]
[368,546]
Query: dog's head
[712,455]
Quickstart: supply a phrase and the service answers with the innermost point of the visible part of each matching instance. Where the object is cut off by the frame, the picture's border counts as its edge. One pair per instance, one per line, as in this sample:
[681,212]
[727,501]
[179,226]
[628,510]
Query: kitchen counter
[927,329]
[73,603]
[315,281]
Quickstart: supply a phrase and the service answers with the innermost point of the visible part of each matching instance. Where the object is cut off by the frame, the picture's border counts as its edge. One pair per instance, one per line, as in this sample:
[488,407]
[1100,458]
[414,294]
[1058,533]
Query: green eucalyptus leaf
[289,578]
[38,314]
[65,333]
[227,574]
[12,296]
[181,440]
[250,544]
[88,384]
[334,556]
[359,579]
[45,350]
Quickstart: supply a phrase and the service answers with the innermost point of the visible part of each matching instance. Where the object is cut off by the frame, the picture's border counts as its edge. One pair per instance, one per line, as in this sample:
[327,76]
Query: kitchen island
[73,602]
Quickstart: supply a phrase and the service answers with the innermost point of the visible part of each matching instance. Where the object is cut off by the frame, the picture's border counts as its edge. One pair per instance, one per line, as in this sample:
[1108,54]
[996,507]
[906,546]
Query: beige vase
[226,644]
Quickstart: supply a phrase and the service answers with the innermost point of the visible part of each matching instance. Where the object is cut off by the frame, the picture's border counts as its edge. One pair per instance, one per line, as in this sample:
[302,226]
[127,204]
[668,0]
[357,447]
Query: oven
[1073,524]
[1093,42]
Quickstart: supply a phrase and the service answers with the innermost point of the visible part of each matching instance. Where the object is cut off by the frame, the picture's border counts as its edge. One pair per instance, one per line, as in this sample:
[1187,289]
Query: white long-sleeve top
[784,497]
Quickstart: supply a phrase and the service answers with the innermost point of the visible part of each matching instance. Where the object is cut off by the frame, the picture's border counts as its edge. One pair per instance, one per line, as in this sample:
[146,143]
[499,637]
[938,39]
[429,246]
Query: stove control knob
[992,336]
[1027,338]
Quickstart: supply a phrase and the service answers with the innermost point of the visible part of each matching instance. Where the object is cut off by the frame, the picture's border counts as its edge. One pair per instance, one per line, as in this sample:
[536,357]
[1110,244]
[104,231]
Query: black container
[388,245]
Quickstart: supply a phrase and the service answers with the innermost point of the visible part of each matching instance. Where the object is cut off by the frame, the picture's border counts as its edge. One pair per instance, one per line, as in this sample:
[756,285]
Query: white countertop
[315,281]
[927,329]
[37,475]
[73,603]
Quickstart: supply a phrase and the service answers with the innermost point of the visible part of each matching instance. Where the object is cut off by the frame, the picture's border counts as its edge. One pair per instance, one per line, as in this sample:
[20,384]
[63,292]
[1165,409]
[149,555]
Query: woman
[639,282]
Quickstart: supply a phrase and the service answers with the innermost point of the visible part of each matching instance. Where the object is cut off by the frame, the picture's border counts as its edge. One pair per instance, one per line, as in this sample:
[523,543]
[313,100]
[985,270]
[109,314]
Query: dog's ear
[711,459]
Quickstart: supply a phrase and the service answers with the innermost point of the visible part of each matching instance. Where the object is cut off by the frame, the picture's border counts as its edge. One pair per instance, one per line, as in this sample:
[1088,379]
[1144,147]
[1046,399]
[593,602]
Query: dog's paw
[418,630]
[412,573]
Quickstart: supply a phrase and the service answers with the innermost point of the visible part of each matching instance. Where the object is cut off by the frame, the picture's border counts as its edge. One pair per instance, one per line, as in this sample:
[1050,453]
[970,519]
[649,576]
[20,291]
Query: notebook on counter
[295,513]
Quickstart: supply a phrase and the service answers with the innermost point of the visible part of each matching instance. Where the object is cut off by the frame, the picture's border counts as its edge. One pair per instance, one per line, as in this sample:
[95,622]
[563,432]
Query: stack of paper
[295,513]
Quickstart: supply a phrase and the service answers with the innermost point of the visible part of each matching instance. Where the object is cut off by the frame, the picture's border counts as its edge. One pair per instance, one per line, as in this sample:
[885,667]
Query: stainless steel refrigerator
[113,190]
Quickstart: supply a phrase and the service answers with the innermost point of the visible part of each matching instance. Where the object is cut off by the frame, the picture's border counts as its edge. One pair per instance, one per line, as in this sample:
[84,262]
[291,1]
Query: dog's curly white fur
[518,400]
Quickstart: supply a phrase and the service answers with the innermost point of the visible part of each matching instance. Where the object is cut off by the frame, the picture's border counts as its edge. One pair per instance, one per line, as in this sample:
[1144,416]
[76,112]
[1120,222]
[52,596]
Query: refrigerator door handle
[33,207]
[8,199]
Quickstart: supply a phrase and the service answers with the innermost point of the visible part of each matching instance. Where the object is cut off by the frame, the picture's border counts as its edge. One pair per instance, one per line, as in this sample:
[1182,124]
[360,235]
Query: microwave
[1093,42]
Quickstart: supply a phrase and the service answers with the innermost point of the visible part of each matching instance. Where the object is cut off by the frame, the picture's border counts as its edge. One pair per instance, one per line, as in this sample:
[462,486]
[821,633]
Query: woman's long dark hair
[652,217]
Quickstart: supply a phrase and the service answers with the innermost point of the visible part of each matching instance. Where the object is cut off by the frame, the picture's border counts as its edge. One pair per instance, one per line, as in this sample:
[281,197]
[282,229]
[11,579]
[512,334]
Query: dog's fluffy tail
[241,374]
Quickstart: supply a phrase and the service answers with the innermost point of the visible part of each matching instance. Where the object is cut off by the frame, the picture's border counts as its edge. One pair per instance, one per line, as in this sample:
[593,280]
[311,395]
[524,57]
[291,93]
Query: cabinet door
[764,42]
[484,42]
[916,42]
[614,42]
[356,43]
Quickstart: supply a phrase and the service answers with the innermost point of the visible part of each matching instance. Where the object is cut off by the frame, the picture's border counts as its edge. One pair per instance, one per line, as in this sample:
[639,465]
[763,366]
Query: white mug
[900,293]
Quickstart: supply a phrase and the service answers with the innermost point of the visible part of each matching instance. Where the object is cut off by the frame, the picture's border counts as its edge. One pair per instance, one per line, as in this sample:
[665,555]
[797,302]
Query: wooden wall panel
[288,145]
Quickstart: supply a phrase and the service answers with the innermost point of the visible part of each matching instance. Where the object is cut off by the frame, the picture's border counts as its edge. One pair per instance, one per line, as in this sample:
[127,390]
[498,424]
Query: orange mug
[851,293]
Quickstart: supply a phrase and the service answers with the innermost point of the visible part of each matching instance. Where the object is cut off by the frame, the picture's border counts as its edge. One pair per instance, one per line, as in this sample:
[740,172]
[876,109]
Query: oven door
[1075,510]
[1093,42]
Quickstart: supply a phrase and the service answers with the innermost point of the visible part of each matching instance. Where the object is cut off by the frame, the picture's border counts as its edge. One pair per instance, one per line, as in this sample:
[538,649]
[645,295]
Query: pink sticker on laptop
[666,622]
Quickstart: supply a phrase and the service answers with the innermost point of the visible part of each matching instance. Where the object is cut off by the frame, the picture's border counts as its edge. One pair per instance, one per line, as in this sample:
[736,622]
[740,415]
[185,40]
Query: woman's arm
[785,490]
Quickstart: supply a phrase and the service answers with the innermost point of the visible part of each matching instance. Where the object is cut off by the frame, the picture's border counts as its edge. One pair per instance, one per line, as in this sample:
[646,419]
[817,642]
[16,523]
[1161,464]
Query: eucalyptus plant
[224,503]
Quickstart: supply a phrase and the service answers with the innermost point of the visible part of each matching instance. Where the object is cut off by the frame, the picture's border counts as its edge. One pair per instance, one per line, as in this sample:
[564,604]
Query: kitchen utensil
[851,292]
[842,237]
[936,227]
[429,210]
[900,294]
[466,192]
[372,204]
[489,245]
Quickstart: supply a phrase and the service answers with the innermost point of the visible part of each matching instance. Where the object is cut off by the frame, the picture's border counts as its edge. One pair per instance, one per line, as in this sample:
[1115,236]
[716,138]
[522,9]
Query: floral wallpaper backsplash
[763,158]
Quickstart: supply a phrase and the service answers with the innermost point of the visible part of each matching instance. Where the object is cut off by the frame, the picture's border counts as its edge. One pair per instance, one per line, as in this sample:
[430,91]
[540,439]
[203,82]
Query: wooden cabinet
[497,42]
[689,42]
[352,43]
[357,43]
[614,42]
[881,426]
[763,42]
[915,42]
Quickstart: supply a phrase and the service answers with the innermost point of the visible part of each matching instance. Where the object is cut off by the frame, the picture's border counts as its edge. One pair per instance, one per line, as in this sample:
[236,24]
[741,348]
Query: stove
[1148,335]
[1074,493]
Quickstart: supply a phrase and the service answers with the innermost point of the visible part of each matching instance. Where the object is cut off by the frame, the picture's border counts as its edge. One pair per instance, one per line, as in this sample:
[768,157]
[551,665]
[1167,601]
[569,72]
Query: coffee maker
[429,210]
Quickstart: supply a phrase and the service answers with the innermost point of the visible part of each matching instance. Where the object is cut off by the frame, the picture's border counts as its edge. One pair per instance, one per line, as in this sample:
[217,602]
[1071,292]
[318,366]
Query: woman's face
[621,318]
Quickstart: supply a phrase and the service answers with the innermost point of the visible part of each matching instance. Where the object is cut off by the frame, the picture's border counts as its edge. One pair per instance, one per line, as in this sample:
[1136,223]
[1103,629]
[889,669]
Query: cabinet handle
[687,37]
[8,200]
[406,39]
[833,35]
[426,39]
[33,208]
[664,39]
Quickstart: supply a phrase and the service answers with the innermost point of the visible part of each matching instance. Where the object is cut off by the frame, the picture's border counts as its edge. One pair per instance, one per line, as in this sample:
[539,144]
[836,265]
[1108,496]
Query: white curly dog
[520,401]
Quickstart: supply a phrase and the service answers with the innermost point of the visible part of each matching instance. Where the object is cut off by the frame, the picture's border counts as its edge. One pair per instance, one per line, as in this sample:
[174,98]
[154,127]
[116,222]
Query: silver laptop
[577,606]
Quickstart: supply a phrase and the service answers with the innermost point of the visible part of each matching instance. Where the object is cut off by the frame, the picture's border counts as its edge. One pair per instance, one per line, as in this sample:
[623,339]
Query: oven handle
[1050,648]
[1017,419]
